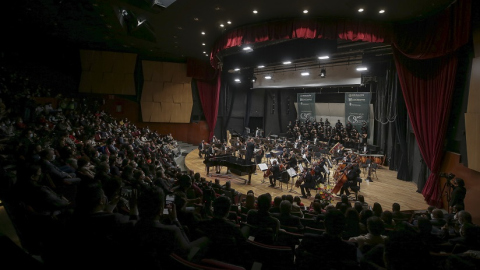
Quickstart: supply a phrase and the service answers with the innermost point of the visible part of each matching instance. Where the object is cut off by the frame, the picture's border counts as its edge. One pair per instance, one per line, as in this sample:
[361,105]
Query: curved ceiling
[173,32]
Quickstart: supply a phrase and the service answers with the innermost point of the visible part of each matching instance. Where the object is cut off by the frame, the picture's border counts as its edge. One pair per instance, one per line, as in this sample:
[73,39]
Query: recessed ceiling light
[305,73]
[217,8]
[268,77]
[362,68]
[382,11]
[305,11]
[323,57]
[203,44]
[229,22]
[221,25]
[203,33]
[255,11]
[236,69]
[237,80]
[360,10]
[195,19]
[287,62]
[261,66]
[204,52]
[247,48]
[180,27]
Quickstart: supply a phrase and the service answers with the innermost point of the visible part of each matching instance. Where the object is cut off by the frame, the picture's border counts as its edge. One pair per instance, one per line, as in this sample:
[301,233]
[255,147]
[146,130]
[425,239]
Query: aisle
[385,190]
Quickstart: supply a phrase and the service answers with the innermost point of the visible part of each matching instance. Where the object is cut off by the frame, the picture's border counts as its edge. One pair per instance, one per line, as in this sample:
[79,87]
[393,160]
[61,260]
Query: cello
[341,178]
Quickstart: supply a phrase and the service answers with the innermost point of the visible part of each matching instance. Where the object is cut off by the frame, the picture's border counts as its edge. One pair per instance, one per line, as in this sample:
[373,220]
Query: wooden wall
[121,108]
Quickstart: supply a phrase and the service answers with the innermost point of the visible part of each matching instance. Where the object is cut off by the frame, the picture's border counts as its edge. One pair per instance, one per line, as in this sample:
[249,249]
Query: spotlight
[323,73]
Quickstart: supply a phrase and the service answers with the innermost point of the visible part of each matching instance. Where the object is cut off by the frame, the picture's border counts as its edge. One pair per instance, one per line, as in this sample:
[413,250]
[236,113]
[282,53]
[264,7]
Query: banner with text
[306,107]
[357,109]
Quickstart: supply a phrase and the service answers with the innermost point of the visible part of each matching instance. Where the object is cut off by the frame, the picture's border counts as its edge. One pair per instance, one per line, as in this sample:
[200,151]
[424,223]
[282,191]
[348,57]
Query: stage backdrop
[357,109]
[306,106]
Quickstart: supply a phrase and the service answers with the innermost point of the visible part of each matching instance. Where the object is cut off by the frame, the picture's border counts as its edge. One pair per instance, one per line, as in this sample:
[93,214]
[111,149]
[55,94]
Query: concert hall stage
[386,190]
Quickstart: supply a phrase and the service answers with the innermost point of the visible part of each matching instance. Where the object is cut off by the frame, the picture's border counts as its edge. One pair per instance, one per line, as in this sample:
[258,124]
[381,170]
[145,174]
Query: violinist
[275,173]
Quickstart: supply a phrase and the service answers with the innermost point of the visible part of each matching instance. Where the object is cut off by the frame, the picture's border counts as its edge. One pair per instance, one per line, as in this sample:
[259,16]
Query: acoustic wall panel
[107,72]
[156,113]
[147,109]
[167,85]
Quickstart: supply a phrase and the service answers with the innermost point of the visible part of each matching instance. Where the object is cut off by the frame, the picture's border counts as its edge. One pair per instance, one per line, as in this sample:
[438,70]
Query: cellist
[352,171]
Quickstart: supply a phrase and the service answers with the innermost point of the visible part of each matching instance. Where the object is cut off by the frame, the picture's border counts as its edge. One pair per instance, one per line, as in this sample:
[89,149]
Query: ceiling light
[268,77]
[305,11]
[203,44]
[255,12]
[204,52]
[236,69]
[382,11]
[362,68]
[323,73]
[305,73]
[254,79]
[247,48]
[287,62]
[229,22]
[221,25]
[360,10]
[237,80]
[261,66]
[323,57]
[203,33]
[195,19]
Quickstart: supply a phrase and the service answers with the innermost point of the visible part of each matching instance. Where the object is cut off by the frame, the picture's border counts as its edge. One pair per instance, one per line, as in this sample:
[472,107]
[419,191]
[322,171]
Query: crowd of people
[85,189]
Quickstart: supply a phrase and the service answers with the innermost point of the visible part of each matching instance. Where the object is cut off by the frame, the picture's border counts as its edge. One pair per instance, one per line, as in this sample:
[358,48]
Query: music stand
[292,174]
[263,167]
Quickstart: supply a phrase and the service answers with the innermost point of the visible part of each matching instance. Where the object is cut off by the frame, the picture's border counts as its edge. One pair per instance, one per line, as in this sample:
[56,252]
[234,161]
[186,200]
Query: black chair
[365,165]
[284,179]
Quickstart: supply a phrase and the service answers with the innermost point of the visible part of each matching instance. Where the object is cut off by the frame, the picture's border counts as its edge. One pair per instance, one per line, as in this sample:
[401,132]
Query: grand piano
[236,165]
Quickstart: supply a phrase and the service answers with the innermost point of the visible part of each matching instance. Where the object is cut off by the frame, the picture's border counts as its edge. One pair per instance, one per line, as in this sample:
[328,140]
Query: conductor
[250,149]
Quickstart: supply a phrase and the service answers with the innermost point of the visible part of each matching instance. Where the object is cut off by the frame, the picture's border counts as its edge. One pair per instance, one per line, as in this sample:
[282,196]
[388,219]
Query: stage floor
[386,190]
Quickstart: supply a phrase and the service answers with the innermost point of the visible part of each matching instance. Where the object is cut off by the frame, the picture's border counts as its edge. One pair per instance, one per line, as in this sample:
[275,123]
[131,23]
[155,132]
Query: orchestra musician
[308,183]
[201,148]
[209,154]
[292,161]
[275,173]
[352,172]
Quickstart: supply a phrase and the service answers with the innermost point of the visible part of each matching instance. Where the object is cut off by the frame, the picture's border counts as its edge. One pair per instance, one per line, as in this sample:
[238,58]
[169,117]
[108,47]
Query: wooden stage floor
[386,190]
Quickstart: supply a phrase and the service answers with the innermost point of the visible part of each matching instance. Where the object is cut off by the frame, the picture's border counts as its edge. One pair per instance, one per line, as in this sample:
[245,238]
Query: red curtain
[208,85]
[355,30]
[427,65]
[427,87]
[209,94]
